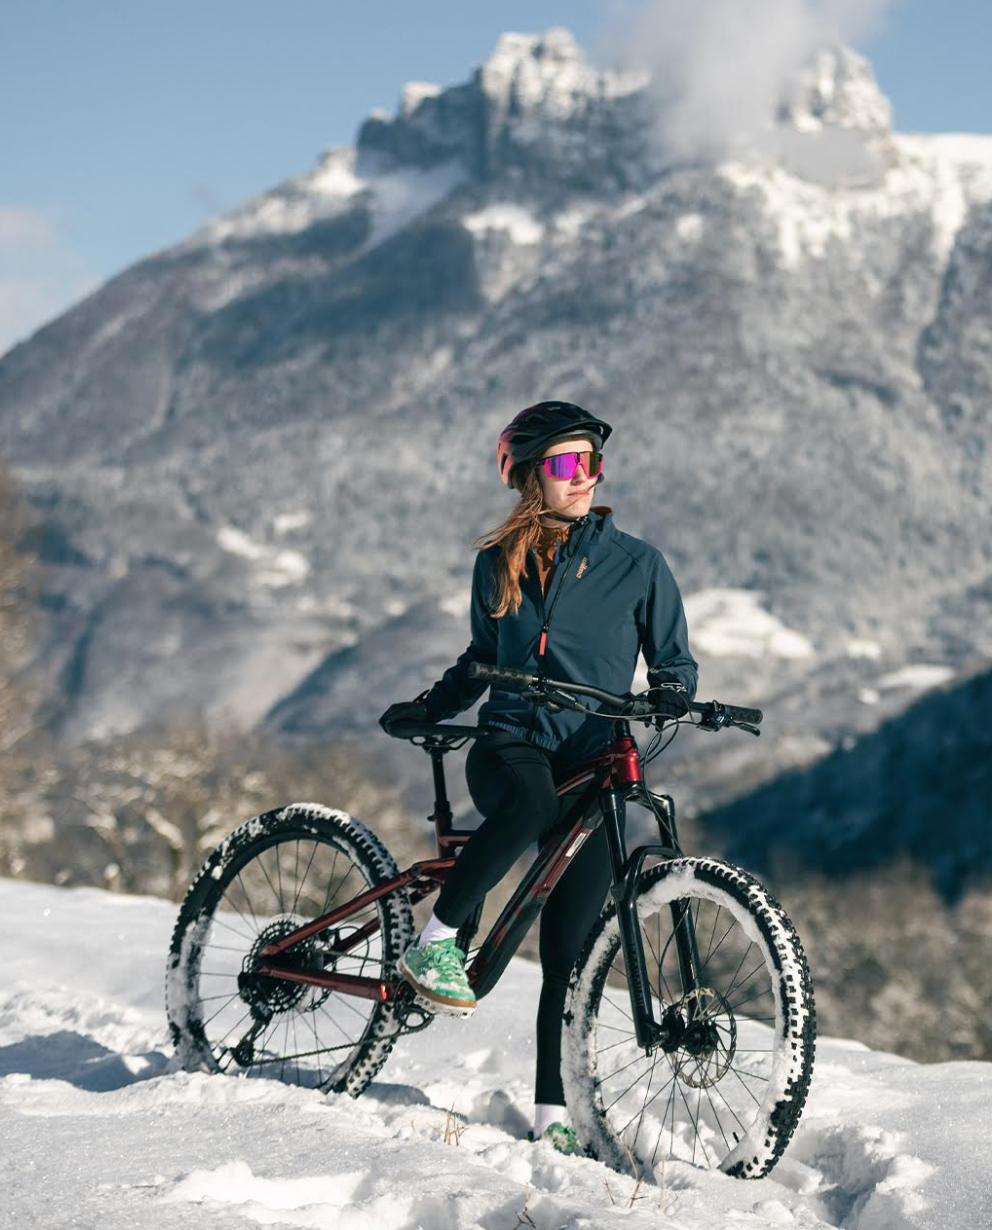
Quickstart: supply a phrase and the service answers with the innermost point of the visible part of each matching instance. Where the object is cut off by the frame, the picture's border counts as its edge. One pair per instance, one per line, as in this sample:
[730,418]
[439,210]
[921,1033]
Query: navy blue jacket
[617,597]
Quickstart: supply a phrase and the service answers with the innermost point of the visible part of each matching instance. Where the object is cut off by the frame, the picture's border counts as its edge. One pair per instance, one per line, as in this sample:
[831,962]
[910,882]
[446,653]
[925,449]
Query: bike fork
[649,1032]
[646,1028]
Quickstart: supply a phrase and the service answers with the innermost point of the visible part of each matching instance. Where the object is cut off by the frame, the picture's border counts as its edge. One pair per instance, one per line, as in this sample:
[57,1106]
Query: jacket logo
[582,567]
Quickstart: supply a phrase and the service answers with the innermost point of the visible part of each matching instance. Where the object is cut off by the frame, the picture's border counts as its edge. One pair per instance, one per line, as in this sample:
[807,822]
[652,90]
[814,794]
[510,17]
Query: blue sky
[124,125]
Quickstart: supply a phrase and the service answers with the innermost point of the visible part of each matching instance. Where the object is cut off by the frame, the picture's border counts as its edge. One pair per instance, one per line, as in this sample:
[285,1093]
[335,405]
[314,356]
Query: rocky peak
[536,98]
[836,88]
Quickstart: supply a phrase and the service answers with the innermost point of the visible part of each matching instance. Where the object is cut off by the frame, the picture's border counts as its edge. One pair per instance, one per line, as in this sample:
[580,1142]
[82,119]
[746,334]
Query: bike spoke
[637,1059]
[299,887]
[709,946]
[617,1008]
[761,965]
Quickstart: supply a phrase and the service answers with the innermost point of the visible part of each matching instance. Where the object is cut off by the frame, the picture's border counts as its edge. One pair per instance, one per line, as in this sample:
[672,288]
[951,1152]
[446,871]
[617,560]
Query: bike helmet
[532,430]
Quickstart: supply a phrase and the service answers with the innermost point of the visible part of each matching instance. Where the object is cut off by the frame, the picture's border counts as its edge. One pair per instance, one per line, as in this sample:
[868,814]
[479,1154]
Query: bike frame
[606,780]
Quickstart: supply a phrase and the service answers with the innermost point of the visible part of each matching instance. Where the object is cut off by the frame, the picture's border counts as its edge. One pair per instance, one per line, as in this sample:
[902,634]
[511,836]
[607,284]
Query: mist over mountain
[266,452]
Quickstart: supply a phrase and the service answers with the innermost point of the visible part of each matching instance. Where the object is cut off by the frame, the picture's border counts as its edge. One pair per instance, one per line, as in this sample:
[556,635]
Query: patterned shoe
[561,1138]
[436,971]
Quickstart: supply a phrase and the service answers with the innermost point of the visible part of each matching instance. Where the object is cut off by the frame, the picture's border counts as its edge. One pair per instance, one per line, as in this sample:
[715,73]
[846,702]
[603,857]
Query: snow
[725,621]
[689,227]
[100,1130]
[287,522]
[414,93]
[513,220]
[457,604]
[941,175]
[549,72]
[275,567]
[395,196]
[858,647]
[919,675]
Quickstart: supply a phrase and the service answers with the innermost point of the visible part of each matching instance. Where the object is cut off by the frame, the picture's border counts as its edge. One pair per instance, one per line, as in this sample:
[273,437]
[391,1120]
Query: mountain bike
[689,1027]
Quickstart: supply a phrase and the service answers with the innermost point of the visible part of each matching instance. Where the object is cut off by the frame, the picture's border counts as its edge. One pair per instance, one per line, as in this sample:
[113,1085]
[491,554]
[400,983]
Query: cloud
[719,67]
[40,275]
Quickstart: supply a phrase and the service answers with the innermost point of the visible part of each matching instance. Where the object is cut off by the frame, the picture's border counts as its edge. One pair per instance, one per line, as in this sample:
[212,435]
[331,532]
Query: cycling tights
[511,783]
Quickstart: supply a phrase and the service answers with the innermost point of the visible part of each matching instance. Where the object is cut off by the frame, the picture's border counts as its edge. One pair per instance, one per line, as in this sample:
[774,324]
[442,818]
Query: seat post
[441,815]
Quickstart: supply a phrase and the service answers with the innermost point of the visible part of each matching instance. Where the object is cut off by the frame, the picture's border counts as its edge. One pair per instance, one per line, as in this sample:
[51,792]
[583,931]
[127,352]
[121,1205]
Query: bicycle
[282,962]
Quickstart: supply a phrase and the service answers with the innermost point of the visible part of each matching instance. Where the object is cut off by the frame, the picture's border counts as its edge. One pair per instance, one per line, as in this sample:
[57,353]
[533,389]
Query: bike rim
[272,1028]
[705,1101]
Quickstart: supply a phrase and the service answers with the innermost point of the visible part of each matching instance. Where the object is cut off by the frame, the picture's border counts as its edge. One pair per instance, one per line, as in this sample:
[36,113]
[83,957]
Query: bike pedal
[435,1009]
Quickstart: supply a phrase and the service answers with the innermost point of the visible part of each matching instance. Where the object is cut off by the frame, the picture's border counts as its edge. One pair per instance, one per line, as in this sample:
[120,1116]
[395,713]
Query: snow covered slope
[98,1131]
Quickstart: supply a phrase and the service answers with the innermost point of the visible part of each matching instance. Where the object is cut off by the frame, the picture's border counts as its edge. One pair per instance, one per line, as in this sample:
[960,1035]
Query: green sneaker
[436,971]
[561,1138]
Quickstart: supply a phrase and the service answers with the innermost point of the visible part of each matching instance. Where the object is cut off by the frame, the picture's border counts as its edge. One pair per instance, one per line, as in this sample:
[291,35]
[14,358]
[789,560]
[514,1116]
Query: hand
[668,695]
[403,711]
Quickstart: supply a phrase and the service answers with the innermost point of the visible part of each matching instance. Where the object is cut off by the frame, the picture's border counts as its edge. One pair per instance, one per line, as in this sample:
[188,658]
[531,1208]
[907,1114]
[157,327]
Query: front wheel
[276,872]
[728,1089]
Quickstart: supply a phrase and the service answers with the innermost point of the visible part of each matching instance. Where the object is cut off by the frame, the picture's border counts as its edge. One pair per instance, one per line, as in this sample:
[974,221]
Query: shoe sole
[432,1002]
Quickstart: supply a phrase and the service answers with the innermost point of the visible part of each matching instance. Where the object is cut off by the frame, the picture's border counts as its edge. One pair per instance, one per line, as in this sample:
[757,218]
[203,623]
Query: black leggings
[511,783]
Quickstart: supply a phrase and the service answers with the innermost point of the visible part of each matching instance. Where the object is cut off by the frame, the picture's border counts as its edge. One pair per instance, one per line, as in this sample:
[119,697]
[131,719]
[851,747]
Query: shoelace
[450,961]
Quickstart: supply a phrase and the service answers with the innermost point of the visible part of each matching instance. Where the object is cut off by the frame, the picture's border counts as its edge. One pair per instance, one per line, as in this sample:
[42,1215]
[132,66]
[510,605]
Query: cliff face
[257,451]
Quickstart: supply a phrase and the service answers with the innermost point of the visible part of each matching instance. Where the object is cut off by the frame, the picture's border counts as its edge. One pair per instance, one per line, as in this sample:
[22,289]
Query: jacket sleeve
[664,635]
[455,691]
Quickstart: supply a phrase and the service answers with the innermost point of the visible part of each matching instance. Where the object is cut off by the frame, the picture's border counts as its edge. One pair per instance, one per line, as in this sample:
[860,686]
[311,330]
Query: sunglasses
[564,465]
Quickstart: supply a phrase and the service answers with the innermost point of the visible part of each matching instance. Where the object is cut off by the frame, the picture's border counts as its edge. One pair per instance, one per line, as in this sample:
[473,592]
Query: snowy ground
[98,1131]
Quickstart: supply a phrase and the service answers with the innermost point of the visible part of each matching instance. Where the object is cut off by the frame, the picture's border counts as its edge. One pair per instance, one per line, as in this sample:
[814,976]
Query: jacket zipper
[571,551]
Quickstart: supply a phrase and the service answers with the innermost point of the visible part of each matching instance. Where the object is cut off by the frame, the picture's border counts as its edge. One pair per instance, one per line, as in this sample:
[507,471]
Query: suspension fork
[690,966]
[623,888]
[625,876]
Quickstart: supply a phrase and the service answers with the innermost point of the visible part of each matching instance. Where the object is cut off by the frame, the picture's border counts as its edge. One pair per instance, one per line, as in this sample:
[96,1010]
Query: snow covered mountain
[266,451]
[100,1130]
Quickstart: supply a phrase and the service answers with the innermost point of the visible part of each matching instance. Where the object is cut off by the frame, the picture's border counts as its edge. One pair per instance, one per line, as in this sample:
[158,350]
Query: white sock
[546,1113]
[436,930]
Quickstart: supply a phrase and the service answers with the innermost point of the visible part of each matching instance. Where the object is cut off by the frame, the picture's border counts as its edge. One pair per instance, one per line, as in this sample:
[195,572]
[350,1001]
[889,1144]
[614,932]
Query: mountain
[93,1108]
[261,452]
[917,787]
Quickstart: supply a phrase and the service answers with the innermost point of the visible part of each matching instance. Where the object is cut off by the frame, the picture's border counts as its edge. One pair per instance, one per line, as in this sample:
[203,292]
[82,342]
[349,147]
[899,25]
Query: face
[572,495]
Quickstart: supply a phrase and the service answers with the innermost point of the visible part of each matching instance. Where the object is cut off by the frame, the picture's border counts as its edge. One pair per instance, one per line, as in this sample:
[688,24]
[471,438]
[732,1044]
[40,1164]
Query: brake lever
[552,699]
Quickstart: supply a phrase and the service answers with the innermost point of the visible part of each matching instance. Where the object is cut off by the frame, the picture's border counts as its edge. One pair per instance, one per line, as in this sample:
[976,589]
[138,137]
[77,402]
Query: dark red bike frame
[610,777]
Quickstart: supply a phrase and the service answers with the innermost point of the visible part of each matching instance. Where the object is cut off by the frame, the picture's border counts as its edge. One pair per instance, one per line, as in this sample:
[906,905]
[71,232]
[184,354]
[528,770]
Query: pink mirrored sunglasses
[564,465]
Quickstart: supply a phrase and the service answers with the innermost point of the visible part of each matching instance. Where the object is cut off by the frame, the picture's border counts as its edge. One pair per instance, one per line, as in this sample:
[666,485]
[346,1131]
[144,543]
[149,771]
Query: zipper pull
[544,641]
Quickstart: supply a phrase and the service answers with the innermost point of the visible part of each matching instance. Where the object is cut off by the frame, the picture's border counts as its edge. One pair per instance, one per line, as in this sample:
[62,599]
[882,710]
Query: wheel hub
[708,1042]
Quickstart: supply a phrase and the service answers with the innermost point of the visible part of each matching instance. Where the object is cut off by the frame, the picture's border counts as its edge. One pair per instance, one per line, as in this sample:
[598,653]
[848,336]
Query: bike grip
[750,716]
[501,674]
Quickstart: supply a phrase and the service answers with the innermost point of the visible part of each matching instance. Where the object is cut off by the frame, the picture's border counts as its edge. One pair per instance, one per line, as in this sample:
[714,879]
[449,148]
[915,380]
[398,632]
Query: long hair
[515,536]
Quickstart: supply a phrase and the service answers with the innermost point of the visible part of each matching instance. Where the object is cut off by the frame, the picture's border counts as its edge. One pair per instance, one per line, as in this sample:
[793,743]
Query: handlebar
[713,714]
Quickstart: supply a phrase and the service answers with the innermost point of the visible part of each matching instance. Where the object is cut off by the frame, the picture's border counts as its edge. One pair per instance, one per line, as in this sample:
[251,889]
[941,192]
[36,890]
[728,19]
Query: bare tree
[139,813]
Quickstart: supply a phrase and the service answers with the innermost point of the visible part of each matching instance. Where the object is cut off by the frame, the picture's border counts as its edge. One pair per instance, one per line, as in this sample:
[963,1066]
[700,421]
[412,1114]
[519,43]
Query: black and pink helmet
[533,429]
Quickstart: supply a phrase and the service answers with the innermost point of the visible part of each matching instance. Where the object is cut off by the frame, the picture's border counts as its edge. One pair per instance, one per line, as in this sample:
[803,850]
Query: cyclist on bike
[594,597]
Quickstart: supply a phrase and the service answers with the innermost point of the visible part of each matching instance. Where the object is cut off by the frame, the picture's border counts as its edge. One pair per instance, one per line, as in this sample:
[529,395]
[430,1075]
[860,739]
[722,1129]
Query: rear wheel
[273,874]
[729,1092]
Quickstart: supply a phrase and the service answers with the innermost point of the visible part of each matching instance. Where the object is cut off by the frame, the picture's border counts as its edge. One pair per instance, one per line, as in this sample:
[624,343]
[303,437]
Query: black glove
[403,711]
[669,696]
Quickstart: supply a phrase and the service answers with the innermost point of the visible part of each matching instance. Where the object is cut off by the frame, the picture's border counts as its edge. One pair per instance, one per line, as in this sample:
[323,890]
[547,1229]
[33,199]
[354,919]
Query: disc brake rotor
[709,1043]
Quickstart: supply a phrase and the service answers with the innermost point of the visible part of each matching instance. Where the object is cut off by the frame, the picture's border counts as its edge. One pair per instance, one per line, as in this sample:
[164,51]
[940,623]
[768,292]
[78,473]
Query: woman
[556,588]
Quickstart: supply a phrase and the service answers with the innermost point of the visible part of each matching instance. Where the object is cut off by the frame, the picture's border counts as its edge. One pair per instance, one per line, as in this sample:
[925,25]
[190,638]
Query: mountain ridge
[204,435]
